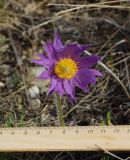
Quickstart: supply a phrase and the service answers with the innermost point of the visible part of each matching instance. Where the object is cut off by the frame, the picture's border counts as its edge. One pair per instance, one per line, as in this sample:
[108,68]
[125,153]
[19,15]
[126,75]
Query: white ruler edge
[77,138]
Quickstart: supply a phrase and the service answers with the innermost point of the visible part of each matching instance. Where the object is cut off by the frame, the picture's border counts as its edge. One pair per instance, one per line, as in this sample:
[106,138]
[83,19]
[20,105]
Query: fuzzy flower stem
[59,111]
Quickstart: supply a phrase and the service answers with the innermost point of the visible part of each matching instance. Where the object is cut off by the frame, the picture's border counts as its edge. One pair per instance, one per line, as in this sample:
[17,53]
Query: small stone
[51,108]
[43,85]
[10,82]
[5,69]
[34,92]
[2,84]
[35,104]
[34,73]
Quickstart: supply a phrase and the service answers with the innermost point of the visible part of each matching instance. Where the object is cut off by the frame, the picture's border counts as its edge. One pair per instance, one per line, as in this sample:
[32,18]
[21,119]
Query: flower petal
[53,85]
[74,50]
[42,56]
[81,84]
[69,88]
[87,76]
[41,60]
[37,61]
[57,41]
[44,75]
[88,61]
[50,50]
[47,63]
[95,72]
[60,89]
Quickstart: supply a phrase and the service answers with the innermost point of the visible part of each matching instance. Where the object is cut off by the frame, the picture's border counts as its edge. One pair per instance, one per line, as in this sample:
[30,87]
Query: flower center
[66,68]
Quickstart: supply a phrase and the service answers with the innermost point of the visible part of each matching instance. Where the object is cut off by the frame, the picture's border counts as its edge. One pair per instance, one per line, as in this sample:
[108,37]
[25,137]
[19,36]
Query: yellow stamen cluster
[66,68]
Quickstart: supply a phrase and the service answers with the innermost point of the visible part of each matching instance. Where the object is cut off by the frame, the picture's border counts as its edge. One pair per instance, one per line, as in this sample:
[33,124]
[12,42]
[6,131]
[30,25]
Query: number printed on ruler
[66,130]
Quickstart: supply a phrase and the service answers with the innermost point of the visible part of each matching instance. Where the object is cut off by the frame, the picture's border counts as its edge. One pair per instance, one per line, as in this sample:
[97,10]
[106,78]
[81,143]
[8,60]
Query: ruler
[88,138]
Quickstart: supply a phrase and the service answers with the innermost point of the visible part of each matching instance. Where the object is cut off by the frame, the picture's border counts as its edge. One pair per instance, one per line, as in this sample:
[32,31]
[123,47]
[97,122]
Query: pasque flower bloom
[65,68]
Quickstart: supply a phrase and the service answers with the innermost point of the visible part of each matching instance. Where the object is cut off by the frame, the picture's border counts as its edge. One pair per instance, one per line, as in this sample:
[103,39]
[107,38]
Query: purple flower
[66,69]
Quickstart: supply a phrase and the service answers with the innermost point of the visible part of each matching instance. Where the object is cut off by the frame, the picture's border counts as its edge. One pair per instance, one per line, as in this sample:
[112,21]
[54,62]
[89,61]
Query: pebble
[35,104]
[43,85]
[10,82]
[34,73]
[5,69]
[34,91]
[2,84]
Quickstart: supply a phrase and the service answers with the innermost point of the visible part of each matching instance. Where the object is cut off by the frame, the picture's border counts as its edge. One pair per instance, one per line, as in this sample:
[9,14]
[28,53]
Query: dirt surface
[24,25]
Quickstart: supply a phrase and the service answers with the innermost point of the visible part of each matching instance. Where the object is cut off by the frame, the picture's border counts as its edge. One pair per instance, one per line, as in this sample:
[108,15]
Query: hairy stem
[59,110]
